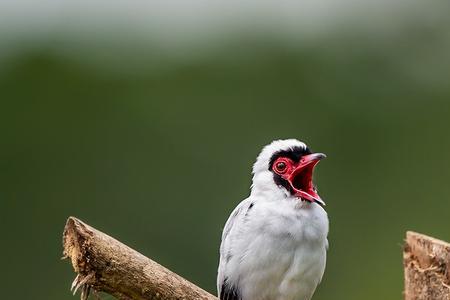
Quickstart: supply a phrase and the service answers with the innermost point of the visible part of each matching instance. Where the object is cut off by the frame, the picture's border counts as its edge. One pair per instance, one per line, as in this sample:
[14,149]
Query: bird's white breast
[276,249]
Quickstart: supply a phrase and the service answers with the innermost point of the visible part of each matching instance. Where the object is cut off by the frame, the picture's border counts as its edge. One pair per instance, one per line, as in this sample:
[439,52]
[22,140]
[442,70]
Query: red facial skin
[299,175]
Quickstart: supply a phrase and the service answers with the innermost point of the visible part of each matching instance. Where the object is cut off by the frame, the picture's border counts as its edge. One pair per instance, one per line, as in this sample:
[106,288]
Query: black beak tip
[320,156]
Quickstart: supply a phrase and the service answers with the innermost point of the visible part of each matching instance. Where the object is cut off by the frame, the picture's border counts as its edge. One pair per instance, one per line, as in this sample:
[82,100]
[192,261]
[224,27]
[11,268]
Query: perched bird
[274,243]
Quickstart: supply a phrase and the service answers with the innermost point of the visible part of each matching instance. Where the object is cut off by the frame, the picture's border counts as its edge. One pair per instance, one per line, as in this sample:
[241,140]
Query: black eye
[281,166]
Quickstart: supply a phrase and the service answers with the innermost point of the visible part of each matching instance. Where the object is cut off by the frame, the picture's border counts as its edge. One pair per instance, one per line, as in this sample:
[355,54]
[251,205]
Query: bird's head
[286,167]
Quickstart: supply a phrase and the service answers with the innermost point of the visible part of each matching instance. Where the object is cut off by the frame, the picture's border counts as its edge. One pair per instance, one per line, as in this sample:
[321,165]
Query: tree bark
[105,264]
[427,268]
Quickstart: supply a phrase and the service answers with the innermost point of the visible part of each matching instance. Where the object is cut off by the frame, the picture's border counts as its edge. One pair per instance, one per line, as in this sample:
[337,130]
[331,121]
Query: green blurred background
[144,119]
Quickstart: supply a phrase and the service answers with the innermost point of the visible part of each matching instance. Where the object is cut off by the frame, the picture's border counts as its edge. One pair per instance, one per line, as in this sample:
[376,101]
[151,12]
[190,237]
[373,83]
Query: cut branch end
[104,264]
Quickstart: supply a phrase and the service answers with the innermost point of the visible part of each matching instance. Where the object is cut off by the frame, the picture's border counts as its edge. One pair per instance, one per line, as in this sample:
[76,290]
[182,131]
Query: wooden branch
[105,264]
[427,268]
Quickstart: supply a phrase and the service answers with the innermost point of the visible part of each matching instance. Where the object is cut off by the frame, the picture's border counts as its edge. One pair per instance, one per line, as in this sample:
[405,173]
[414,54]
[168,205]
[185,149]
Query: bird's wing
[228,290]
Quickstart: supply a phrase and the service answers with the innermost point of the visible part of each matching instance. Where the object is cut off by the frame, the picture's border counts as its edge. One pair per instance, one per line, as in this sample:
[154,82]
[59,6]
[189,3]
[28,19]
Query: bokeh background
[143,118]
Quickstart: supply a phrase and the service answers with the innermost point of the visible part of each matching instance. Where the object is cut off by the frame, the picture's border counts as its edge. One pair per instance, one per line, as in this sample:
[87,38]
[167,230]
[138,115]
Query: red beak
[301,178]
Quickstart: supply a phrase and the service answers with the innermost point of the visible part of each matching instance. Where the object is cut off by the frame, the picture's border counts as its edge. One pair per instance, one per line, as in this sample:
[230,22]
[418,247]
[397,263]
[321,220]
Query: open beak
[301,179]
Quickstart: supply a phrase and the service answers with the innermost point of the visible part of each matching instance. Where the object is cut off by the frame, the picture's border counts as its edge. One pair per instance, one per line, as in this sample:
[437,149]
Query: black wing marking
[229,292]
[248,209]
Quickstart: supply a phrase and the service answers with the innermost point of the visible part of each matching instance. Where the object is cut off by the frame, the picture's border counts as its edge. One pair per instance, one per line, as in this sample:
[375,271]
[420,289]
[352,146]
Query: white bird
[274,243]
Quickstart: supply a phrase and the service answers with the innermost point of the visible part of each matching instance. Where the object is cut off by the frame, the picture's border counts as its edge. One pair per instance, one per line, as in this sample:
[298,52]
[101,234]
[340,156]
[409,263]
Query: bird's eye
[280,167]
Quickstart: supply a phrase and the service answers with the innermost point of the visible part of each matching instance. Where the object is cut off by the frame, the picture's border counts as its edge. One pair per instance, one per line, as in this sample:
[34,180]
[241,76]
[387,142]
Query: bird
[274,243]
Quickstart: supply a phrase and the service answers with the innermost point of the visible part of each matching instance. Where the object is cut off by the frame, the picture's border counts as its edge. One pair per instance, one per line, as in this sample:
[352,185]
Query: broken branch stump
[427,268]
[105,264]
